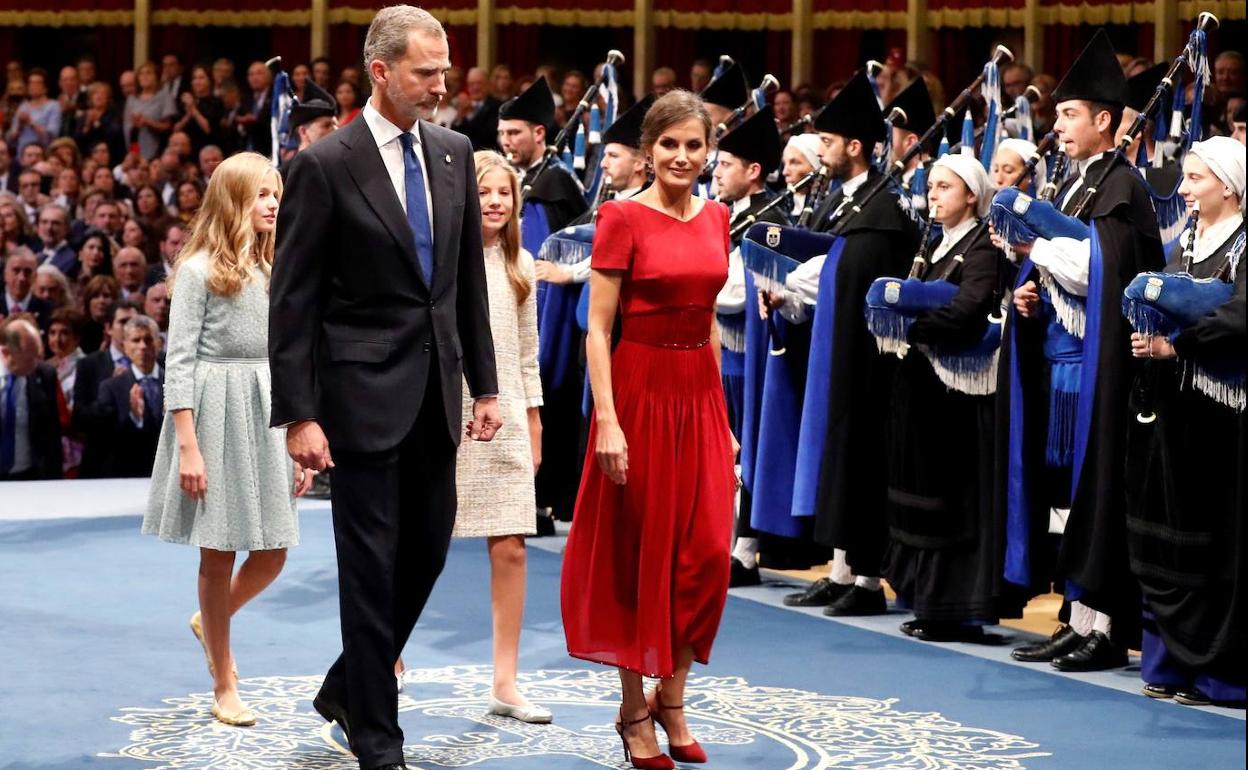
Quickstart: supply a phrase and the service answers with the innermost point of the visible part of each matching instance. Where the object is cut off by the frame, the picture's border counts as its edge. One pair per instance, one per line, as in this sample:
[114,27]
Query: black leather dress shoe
[929,631]
[858,602]
[1190,696]
[743,575]
[1064,640]
[1097,653]
[332,711]
[1159,691]
[820,593]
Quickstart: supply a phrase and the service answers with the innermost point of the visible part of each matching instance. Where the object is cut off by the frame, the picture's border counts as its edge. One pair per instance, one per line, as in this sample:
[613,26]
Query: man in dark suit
[170,244]
[133,403]
[477,111]
[19,279]
[92,370]
[378,309]
[30,427]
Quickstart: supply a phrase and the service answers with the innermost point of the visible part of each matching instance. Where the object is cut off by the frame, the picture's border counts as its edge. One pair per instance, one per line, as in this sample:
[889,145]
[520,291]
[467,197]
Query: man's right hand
[1027,299]
[306,444]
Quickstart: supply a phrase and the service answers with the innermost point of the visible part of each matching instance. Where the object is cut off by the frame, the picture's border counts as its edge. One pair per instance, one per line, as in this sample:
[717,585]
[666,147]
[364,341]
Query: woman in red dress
[645,574]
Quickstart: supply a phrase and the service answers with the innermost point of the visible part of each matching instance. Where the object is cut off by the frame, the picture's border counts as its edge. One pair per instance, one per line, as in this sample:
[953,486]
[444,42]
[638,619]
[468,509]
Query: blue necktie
[8,426]
[417,207]
[152,399]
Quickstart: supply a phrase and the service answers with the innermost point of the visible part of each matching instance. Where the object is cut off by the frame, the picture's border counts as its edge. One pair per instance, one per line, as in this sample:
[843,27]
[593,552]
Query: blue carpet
[99,670]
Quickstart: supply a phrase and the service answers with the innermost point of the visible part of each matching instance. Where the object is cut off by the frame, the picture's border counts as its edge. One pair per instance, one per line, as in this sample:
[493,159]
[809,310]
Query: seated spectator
[8,173]
[52,287]
[66,150]
[209,158]
[129,268]
[19,279]
[98,295]
[30,194]
[100,123]
[106,217]
[170,245]
[30,156]
[347,94]
[92,371]
[15,229]
[135,235]
[67,191]
[148,207]
[64,336]
[156,307]
[38,119]
[95,257]
[30,431]
[54,248]
[148,114]
[131,404]
[190,196]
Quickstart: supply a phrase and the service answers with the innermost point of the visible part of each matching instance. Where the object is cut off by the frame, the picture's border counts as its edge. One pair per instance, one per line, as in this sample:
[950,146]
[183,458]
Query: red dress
[646,567]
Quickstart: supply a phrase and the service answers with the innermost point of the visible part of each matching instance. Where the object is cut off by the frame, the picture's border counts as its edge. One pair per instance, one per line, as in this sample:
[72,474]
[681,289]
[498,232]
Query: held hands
[306,444]
[1027,299]
[191,476]
[612,452]
[1145,346]
[303,479]
[486,419]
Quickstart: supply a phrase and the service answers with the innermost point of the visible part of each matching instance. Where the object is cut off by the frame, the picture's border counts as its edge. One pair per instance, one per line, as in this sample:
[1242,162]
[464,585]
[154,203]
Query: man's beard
[411,109]
[839,169]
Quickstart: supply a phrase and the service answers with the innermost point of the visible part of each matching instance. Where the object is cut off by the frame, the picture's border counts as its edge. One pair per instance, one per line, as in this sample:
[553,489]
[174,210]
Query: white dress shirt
[1212,238]
[386,134]
[139,376]
[1066,259]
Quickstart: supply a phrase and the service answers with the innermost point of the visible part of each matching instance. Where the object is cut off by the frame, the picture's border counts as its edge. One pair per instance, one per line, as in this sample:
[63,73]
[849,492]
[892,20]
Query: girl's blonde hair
[222,227]
[487,161]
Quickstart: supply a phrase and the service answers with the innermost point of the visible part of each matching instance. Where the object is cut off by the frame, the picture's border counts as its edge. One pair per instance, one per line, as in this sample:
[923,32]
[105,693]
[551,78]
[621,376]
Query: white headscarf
[972,172]
[1225,158]
[1024,150]
[808,145]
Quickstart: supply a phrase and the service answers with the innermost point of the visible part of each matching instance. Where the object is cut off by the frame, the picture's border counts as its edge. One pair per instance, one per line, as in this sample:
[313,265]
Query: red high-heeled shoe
[691,753]
[659,762]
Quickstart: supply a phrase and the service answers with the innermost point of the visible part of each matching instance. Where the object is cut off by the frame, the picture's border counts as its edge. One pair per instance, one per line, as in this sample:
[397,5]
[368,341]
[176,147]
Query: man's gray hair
[388,35]
[58,276]
[17,332]
[24,252]
[57,207]
[144,322]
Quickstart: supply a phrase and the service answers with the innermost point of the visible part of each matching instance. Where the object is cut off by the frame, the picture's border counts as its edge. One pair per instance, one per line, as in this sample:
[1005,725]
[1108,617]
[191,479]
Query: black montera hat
[317,103]
[1096,76]
[756,140]
[729,89]
[536,105]
[854,113]
[626,129]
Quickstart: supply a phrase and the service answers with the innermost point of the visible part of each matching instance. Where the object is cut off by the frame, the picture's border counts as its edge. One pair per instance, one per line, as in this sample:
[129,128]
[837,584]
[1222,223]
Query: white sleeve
[801,289]
[1067,261]
[580,270]
[731,297]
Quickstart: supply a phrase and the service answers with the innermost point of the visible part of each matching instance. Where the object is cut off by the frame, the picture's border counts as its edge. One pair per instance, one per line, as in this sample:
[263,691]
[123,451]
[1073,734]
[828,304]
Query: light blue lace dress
[217,366]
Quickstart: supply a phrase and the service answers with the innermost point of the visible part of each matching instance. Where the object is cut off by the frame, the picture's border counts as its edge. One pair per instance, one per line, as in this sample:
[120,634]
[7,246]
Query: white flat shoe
[532,714]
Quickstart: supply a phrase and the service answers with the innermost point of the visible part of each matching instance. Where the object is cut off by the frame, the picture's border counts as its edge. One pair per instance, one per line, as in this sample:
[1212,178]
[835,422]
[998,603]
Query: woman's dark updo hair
[671,109]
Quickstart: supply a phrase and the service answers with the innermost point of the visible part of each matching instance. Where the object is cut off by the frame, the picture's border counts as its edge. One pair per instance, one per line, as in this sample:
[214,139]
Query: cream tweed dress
[217,366]
[494,479]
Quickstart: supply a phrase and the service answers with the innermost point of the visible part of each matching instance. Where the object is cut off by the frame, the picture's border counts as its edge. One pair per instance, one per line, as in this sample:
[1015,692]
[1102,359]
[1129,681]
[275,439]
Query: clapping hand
[136,401]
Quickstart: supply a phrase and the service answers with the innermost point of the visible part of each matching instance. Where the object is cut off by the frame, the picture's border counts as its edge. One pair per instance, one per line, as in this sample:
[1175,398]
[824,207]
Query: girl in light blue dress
[222,479]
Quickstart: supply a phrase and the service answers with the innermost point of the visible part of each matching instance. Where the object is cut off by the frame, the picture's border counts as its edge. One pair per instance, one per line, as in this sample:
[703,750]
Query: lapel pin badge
[448,157]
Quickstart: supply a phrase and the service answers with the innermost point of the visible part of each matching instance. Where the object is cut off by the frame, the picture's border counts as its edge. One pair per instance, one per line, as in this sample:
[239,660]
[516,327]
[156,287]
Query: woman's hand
[303,479]
[612,452]
[1146,346]
[191,475]
[549,272]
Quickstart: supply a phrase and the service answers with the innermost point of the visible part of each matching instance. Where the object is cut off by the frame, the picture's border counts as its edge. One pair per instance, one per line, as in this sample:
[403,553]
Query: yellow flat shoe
[197,628]
[243,718]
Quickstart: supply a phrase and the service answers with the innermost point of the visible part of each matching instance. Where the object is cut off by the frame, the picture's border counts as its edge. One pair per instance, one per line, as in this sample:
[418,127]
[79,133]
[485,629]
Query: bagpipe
[819,175]
[281,102]
[1000,56]
[573,124]
[757,100]
[894,304]
[1159,304]
[771,252]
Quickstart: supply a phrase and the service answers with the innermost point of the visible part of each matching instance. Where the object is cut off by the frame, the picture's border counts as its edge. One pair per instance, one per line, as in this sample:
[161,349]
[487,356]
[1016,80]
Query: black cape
[1185,490]
[881,240]
[945,558]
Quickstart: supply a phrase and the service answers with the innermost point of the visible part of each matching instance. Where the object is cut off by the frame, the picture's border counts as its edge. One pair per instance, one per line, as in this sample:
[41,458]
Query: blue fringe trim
[1010,227]
[561,248]
[889,328]
[1063,411]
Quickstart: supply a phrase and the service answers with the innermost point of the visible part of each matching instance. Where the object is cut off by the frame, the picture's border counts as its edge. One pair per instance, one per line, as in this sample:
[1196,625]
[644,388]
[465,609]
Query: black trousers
[393,516]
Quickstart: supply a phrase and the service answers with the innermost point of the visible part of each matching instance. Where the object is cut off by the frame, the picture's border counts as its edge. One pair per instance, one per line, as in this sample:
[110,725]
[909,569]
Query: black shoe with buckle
[1064,640]
[858,602]
[820,593]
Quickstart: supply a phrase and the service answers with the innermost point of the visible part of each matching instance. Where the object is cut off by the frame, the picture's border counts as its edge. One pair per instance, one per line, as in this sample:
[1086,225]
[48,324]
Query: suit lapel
[369,173]
[441,178]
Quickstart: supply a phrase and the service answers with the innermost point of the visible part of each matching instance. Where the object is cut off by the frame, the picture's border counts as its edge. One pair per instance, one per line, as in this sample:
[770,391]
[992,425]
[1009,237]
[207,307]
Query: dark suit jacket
[132,450]
[65,259]
[10,182]
[157,273]
[45,423]
[260,133]
[354,326]
[41,310]
[87,418]
[482,127]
